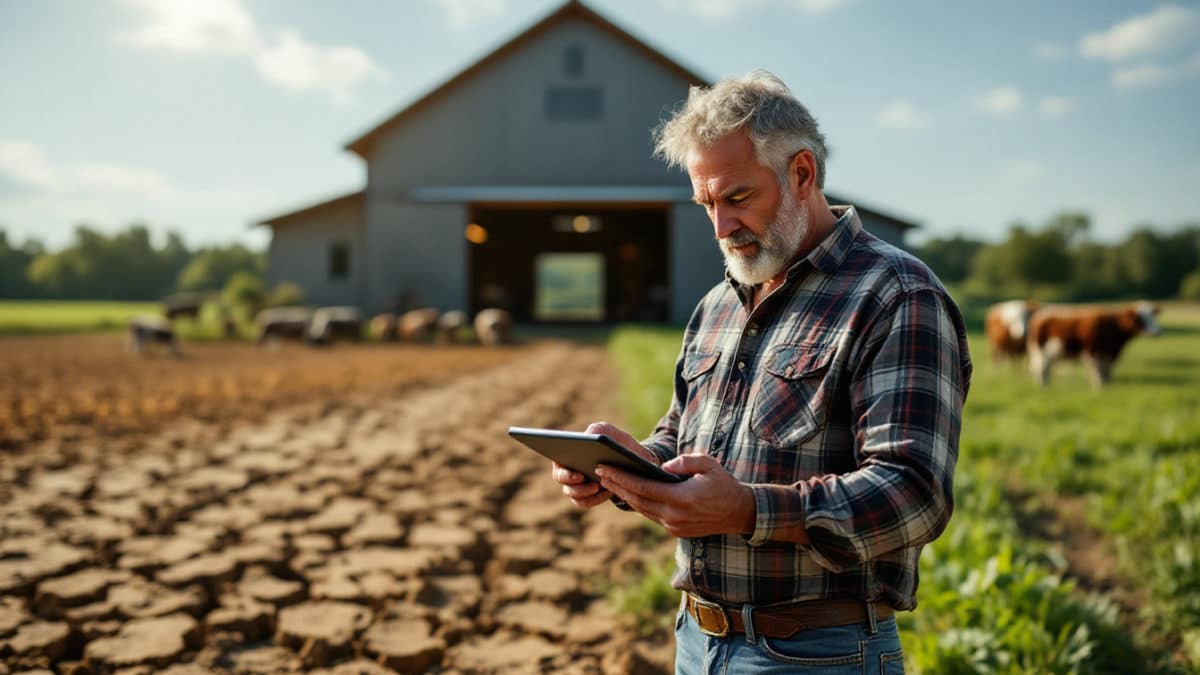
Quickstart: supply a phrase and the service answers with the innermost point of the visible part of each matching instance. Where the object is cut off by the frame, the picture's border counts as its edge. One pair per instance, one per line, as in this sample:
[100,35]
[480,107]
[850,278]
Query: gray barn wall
[492,128]
[696,262]
[299,252]
[882,229]
[416,248]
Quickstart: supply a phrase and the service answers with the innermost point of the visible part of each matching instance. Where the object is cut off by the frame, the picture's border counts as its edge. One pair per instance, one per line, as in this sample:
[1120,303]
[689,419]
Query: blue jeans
[837,650]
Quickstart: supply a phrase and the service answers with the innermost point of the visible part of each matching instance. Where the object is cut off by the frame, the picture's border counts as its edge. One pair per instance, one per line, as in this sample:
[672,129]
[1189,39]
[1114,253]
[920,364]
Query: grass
[995,595]
[44,317]
[57,317]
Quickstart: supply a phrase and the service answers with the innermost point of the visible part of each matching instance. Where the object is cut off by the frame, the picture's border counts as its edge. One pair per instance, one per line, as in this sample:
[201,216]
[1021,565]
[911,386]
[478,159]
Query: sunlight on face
[774,250]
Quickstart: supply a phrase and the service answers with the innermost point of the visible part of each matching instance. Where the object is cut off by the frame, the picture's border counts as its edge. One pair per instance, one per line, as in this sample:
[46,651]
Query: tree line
[127,265]
[1060,262]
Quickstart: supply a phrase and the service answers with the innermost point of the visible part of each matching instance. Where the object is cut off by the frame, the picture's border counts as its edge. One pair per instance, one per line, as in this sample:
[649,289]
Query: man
[817,407]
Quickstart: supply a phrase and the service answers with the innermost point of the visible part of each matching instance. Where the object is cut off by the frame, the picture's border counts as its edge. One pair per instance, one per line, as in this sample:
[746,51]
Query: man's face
[758,225]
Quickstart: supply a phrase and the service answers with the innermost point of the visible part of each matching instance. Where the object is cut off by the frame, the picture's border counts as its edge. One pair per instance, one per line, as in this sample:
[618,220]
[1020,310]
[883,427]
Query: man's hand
[584,493]
[710,502]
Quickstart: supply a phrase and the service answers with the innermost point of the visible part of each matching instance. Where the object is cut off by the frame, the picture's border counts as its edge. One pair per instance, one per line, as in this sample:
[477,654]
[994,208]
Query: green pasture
[49,317]
[1119,468]
[41,317]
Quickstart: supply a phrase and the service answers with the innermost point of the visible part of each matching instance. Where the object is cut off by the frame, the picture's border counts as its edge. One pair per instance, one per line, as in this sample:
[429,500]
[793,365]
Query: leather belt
[783,621]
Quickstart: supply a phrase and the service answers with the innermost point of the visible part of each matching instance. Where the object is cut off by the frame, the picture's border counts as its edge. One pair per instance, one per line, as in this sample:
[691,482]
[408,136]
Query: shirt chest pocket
[793,394]
[699,368]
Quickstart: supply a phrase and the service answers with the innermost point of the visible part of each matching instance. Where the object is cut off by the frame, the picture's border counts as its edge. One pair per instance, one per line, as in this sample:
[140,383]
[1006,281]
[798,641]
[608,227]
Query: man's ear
[803,173]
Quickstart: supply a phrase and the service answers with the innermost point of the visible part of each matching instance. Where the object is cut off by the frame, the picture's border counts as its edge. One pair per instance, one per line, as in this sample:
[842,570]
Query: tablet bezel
[564,448]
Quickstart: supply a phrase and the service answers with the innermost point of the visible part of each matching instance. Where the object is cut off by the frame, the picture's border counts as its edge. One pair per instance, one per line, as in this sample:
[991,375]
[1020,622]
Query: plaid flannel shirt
[839,400]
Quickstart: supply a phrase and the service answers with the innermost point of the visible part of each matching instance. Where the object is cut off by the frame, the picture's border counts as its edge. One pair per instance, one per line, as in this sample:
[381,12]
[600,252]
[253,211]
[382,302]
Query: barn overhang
[545,194]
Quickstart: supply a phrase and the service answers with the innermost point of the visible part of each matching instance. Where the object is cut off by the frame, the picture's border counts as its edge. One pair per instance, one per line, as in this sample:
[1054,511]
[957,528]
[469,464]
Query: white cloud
[1164,28]
[24,167]
[225,27]
[300,66]
[1055,106]
[1049,51]
[999,101]
[716,9]
[1141,77]
[211,26]
[901,114]
[465,12]
[28,167]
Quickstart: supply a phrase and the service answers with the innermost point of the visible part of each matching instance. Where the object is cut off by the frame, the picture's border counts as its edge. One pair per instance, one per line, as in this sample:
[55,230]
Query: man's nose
[725,224]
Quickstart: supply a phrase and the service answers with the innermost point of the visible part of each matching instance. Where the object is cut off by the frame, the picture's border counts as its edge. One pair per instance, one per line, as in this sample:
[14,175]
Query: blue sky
[204,115]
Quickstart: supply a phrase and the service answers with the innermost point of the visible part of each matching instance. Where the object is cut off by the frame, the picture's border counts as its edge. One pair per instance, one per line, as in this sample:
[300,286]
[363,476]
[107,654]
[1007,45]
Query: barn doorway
[571,263]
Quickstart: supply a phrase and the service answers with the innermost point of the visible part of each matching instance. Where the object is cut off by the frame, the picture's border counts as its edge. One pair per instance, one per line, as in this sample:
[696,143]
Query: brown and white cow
[1094,334]
[1006,325]
[493,326]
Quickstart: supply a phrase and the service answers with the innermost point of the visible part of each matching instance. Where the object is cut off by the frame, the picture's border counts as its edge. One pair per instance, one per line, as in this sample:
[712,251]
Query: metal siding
[696,262]
[492,129]
[416,248]
[299,252]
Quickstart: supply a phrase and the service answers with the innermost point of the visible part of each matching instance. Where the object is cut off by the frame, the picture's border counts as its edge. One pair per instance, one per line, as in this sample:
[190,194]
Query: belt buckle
[713,608]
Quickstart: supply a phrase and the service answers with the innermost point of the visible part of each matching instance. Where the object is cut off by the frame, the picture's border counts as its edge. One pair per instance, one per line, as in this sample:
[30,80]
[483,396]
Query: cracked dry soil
[355,529]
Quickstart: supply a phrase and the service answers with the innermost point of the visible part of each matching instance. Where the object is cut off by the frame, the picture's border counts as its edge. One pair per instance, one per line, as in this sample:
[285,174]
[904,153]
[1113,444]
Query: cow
[450,325]
[493,326]
[1094,334]
[335,323]
[1006,326]
[383,327]
[180,306]
[418,324]
[146,328]
[276,323]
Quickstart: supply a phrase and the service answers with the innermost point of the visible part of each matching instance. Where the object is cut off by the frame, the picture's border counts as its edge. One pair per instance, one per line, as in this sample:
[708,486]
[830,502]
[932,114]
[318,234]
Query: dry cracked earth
[375,531]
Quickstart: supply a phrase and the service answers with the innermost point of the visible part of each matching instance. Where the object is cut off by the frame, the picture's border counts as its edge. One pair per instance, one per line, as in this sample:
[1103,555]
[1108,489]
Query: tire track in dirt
[368,534]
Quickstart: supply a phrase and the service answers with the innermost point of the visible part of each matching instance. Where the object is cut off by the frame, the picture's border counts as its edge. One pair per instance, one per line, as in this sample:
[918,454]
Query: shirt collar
[827,256]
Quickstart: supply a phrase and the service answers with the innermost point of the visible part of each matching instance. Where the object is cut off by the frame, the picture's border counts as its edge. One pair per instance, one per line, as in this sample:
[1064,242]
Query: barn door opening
[569,287]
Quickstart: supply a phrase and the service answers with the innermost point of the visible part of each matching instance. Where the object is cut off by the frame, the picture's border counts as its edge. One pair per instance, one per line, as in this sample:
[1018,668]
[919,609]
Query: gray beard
[775,249]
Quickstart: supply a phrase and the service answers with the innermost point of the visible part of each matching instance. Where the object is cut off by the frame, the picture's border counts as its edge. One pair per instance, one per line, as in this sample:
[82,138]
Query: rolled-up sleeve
[907,392]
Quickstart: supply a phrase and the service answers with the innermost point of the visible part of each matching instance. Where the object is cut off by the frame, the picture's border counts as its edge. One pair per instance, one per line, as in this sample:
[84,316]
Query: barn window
[339,260]
[574,103]
[570,287]
[574,61]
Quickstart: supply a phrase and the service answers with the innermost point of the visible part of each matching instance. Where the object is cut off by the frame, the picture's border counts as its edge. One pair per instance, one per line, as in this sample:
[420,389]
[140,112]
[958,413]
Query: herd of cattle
[326,325]
[1051,333]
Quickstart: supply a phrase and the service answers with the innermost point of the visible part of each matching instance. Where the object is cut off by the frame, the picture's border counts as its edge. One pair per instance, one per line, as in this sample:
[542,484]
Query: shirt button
[790,370]
[697,566]
[742,365]
[753,329]
[699,548]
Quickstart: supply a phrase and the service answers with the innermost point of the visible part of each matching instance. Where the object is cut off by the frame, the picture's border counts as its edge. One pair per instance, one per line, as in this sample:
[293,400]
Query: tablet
[582,452]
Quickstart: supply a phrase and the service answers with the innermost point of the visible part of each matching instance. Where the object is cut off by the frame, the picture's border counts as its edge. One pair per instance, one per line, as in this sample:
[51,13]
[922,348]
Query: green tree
[285,294]
[244,290]
[212,268]
[951,258]
[123,266]
[1189,289]
[14,264]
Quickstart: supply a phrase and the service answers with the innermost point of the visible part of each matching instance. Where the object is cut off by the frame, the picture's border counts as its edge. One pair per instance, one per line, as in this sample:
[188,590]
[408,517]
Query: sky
[204,116]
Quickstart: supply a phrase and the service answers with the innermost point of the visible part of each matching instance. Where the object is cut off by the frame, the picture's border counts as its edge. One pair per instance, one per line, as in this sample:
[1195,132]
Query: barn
[524,182]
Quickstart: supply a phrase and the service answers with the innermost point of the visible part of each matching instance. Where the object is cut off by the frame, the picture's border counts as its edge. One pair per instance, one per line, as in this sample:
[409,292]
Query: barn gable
[571,101]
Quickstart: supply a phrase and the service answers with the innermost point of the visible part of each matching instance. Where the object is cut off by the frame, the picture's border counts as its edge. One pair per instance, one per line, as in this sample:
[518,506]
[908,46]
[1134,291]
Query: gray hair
[758,103]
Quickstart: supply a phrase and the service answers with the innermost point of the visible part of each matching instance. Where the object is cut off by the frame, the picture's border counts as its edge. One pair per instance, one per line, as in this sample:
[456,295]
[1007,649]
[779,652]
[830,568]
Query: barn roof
[362,144]
[310,209]
[569,10]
